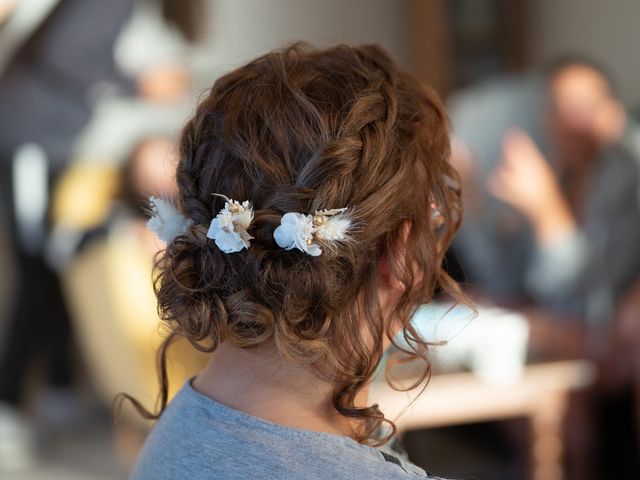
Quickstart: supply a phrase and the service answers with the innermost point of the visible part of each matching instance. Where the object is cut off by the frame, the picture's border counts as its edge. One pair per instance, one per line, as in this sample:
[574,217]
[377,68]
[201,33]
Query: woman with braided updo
[315,206]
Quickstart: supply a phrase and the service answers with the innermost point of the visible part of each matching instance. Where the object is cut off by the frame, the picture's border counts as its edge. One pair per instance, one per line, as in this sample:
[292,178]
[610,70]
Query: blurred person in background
[581,203]
[569,218]
[54,76]
[44,102]
[570,215]
[109,290]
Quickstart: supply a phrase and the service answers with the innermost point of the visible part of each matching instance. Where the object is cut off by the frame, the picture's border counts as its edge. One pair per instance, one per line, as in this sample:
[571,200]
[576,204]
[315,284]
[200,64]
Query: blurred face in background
[153,169]
[584,116]
[150,171]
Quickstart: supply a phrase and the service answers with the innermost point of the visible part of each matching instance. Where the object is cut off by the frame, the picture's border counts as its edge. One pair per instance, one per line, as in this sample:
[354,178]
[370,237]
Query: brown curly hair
[300,130]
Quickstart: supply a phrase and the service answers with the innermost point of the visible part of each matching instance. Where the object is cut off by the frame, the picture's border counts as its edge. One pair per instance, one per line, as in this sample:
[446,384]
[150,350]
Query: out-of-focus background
[543,95]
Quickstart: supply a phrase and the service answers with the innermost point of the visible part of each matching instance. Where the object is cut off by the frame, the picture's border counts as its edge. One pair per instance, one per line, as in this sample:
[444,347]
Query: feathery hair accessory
[166,222]
[300,231]
[229,228]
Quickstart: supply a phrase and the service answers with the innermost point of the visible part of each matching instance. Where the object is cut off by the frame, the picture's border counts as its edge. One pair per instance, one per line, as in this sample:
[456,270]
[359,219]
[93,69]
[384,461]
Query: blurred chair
[83,195]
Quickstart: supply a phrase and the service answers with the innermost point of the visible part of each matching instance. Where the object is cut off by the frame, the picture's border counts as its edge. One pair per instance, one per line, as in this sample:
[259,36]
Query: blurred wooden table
[541,395]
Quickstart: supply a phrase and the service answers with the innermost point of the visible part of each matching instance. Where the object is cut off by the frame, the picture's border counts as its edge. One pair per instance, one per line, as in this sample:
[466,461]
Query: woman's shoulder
[198,437]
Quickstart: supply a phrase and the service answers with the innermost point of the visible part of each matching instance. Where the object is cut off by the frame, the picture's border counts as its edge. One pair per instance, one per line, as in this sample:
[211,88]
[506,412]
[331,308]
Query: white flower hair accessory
[166,222]
[300,231]
[229,228]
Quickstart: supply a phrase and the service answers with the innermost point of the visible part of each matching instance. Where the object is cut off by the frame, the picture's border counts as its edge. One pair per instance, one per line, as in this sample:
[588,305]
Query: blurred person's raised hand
[524,180]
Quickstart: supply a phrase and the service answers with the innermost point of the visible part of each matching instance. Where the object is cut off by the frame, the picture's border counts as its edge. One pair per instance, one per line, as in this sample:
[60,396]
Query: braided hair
[302,130]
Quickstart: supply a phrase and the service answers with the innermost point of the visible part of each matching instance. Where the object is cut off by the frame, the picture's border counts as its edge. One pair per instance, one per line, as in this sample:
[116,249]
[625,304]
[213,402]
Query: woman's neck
[260,383]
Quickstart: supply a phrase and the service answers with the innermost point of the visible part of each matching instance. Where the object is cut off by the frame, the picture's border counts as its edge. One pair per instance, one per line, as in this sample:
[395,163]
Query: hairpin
[297,230]
[166,222]
[229,228]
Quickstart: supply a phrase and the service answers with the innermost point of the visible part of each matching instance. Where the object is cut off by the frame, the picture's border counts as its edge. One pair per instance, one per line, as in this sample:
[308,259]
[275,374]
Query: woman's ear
[390,287]
[387,278]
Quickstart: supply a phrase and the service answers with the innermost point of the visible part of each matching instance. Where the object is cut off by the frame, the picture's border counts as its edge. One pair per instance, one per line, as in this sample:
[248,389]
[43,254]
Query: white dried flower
[300,231]
[296,231]
[166,222]
[229,228]
[332,225]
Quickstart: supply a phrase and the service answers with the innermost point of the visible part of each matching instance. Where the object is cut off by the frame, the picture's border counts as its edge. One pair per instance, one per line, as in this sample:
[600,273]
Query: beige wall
[608,31]
[242,29]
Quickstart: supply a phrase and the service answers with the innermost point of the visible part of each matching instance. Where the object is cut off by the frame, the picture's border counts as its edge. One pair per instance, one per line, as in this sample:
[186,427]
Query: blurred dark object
[37,318]
[460,42]
[187,15]
[453,266]
[489,37]
[486,451]
[618,439]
